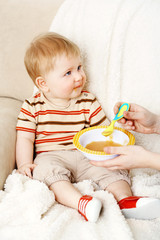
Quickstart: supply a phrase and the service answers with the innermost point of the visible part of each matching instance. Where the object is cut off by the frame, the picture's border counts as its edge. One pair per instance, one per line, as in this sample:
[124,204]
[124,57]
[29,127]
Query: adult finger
[130,128]
[114,163]
[122,121]
[117,106]
[132,115]
[114,168]
[116,150]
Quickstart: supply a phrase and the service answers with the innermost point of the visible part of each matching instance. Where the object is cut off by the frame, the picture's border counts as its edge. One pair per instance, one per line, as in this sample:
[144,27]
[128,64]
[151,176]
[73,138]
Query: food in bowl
[94,134]
[99,145]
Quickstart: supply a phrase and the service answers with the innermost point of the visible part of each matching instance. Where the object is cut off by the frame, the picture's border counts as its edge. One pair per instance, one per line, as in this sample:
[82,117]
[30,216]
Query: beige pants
[74,167]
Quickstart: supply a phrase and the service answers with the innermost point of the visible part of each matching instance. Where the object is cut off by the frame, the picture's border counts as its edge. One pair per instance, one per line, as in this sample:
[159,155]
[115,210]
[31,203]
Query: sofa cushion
[9,111]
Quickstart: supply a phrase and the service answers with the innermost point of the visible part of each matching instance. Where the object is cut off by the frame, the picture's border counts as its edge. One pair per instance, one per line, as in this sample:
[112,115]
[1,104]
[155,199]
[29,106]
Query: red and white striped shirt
[55,127]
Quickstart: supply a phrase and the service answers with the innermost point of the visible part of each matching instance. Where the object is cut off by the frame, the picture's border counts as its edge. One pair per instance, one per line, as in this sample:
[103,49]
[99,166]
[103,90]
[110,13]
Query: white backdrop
[119,41]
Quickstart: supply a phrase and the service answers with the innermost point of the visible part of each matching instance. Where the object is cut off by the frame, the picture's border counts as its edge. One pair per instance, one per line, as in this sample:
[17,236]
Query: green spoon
[109,130]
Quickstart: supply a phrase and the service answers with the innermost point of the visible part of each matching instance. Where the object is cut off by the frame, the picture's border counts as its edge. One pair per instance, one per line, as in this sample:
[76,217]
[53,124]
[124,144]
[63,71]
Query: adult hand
[26,169]
[130,157]
[139,119]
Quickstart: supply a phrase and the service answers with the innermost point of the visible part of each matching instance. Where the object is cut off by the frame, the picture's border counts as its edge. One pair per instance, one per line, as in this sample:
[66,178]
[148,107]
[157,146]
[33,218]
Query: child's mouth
[77,87]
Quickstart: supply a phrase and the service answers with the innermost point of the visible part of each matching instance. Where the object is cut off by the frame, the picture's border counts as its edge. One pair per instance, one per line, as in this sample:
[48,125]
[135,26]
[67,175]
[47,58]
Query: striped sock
[89,208]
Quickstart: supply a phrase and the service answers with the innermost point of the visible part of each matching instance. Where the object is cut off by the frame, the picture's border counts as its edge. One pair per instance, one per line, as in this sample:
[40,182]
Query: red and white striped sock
[89,208]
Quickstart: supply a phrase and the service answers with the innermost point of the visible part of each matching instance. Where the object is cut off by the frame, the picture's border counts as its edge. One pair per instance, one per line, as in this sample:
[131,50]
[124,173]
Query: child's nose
[78,76]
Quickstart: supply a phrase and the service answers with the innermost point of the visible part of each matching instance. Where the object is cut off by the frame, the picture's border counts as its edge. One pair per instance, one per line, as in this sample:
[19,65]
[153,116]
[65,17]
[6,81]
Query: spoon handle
[124,107]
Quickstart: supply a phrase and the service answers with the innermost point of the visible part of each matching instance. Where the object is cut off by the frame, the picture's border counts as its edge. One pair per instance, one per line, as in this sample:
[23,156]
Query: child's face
[67,79]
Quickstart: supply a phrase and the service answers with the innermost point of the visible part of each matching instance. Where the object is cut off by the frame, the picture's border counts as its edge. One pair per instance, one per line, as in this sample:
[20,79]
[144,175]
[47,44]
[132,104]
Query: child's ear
[41,84]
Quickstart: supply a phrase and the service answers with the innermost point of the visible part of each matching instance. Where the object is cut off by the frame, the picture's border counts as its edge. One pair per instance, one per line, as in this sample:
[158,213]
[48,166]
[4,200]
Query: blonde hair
[41,54]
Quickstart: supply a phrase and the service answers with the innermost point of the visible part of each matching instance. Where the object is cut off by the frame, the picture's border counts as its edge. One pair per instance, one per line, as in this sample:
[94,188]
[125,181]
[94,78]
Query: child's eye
[79,67]
[68,73]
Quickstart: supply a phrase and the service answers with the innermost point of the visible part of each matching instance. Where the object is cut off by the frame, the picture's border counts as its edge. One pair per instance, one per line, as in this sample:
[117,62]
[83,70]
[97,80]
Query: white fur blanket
[28,211]
[120,45]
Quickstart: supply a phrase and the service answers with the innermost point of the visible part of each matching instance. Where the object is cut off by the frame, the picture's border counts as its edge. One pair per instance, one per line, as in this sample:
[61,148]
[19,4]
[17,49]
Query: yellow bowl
[88,135]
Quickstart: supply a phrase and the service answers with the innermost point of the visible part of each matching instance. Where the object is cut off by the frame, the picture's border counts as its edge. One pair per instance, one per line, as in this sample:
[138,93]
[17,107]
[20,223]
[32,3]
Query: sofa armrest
[9,111]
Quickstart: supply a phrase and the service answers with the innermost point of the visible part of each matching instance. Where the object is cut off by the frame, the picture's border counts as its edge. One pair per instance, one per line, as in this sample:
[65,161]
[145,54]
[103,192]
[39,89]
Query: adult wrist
[157,125]
[153,160]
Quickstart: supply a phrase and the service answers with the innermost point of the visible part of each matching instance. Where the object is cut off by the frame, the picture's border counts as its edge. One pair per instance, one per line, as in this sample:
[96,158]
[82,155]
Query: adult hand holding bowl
[94,134]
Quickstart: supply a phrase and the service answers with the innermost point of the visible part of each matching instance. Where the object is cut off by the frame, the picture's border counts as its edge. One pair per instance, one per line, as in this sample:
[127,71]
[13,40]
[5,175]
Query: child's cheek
[68,89]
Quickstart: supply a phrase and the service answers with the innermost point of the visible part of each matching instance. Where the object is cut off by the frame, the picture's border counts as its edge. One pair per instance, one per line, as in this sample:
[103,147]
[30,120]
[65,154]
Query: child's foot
[140,207]
[89,208]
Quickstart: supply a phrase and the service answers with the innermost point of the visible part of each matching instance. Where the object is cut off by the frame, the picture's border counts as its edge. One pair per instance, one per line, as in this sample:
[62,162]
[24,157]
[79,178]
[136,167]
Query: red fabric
[87,197]
[129,202]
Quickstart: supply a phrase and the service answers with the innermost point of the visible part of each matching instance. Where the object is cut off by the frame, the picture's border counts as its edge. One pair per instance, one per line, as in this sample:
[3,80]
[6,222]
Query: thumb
[115,150]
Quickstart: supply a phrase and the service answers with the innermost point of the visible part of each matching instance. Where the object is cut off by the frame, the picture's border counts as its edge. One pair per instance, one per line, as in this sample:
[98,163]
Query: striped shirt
[55,127]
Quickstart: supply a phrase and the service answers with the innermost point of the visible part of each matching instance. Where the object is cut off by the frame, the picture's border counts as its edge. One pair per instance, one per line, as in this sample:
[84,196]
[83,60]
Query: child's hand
[27,169]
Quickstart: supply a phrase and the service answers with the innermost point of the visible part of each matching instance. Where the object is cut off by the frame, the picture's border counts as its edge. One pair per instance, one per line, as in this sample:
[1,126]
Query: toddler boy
[48,122]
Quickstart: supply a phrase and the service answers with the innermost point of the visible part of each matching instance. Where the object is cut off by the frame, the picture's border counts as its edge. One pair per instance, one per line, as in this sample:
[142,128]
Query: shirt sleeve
[26,119]
[97,116]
